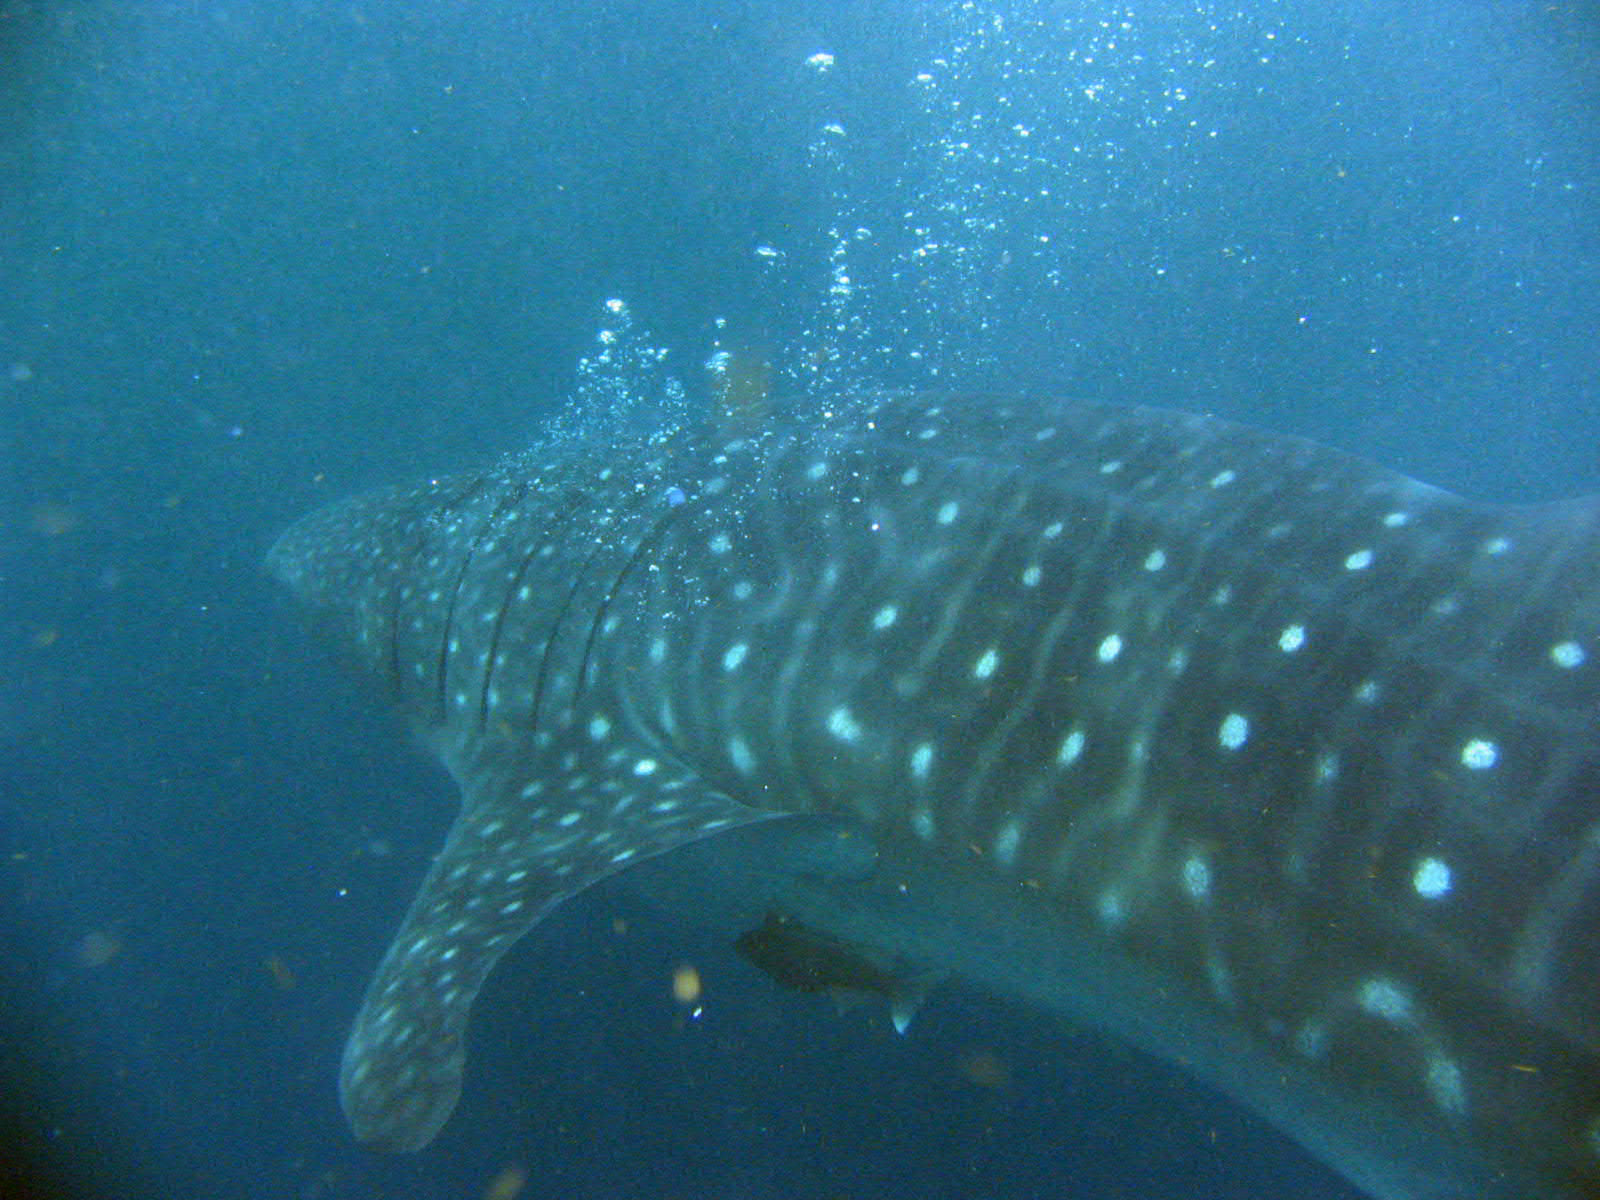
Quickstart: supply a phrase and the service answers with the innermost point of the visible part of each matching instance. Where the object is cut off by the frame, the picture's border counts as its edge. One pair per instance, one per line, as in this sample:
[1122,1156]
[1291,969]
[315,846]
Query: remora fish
[1271,761]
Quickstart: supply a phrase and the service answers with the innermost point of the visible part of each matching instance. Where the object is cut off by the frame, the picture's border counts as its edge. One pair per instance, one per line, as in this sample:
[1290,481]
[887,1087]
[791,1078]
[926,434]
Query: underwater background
[255,256]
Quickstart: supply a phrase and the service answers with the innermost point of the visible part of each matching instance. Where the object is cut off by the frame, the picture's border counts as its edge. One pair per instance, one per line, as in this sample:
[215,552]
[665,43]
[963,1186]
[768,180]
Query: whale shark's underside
[1272,762]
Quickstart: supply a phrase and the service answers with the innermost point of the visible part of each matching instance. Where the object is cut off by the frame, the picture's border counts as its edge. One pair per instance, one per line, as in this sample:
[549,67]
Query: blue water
[254,256]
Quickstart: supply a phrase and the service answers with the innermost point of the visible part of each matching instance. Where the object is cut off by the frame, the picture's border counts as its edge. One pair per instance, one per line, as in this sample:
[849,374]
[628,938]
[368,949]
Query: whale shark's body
[1276,763]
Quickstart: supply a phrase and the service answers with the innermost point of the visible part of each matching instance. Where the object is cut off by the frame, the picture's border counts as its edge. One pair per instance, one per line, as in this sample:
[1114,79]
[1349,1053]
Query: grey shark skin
[1275,762]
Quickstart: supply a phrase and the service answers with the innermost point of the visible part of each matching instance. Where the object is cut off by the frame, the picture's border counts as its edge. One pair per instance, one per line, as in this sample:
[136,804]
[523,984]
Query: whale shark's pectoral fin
[519,848]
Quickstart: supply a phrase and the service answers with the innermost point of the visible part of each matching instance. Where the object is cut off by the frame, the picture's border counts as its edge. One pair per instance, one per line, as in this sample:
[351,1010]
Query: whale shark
[1270,761]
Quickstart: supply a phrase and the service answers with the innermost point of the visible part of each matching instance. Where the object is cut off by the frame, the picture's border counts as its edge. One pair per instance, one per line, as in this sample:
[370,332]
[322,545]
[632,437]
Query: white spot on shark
[1445,1084]
[720,543]
[921,761]
[599,728]
[885,617]
[1071,748]
[1031,575]
[1396,519]
[1006,843]
[1431,879]
[1479,754]
[739,754]
[1109,648]
[645,766]
[1223,478]
[1292,638]
[1196,877]
[910,477]
[1155,560]
[1567,655]
[1386,1000]
[734,656]
[1234,731]
[843,725]
[1359,561]
[984,668]
[948,511]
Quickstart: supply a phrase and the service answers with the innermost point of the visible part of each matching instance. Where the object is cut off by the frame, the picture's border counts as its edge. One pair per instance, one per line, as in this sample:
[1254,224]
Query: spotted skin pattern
[1316,741]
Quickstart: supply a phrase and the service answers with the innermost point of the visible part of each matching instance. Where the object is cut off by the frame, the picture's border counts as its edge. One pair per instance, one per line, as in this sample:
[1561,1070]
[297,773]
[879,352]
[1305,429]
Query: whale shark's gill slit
[423,526]
[646,544]
[557,527]
[447,631]
[597,552]
[542,679]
